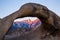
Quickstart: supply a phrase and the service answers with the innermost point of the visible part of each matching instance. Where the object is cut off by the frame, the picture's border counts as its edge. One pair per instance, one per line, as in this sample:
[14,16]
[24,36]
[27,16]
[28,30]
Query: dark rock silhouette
[49,29]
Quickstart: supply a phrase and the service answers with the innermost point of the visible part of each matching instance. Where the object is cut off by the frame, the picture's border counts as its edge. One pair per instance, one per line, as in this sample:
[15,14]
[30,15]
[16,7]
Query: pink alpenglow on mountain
[36,23]
[25,24]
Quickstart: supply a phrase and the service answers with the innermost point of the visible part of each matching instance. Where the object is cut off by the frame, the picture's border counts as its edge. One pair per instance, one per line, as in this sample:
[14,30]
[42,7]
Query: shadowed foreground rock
[49,30]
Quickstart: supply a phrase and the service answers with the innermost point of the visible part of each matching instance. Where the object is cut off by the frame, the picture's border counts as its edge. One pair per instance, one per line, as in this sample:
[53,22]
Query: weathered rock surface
[49,30]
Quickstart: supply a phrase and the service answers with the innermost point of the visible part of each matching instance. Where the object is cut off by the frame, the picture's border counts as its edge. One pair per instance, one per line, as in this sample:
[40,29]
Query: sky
[9,6]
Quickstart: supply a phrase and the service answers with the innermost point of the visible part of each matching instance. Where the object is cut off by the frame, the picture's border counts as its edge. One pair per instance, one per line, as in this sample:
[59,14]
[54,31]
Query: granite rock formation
[49,29]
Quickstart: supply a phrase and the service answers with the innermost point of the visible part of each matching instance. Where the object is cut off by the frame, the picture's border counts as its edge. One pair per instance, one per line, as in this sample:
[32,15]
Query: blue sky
[9,6]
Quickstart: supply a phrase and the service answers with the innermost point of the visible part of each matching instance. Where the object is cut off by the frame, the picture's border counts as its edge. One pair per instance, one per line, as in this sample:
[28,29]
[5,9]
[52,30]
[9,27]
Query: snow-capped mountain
[25,24]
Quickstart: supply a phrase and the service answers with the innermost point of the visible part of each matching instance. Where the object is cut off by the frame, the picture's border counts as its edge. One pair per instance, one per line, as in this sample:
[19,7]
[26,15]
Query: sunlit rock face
[24,26]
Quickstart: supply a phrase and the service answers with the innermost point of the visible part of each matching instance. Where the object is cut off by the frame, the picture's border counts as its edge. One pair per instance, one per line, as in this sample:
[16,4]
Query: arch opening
[23,26]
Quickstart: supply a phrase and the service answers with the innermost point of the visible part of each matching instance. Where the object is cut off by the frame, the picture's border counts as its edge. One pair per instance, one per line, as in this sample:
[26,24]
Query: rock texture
[49,30]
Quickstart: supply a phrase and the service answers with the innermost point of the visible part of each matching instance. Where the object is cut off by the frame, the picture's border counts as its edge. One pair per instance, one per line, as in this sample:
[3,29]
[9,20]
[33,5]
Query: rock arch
[48,18]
